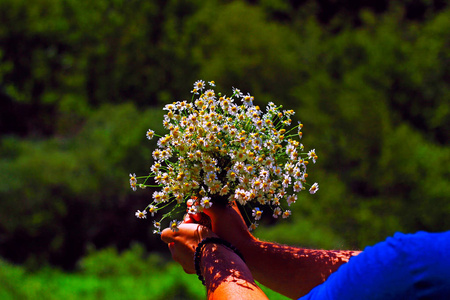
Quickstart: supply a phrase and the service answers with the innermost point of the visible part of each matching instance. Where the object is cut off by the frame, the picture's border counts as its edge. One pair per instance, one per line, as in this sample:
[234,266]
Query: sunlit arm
[226,275]
[290,271]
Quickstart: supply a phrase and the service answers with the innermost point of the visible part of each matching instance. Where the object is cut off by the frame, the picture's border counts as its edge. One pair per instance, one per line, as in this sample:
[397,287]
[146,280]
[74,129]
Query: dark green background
[81,82]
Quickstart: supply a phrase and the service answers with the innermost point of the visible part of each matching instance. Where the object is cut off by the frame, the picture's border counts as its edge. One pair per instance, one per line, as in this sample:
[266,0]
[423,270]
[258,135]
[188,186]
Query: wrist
[209,251]
[226,275]
[247,244]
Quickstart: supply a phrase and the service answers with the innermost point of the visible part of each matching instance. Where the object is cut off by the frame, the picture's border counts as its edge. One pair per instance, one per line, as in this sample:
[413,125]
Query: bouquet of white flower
[220,151]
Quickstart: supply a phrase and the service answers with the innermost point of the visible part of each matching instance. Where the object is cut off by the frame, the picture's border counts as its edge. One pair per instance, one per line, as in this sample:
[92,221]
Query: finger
[167,236]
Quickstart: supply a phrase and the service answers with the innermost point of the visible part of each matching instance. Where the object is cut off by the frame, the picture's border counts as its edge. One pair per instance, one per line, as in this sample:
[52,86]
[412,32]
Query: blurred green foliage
[61,193]
[82,81]
[106,274]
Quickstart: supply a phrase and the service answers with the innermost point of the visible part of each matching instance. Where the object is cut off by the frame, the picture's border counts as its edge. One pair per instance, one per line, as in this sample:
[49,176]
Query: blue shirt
[406,266]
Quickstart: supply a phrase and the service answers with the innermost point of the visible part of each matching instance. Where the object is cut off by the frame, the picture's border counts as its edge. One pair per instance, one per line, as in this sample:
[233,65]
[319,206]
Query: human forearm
[290,271]
[226,275]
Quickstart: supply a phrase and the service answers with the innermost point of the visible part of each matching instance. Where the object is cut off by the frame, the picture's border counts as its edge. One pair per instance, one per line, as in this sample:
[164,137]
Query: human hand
[182,243]
[225,221]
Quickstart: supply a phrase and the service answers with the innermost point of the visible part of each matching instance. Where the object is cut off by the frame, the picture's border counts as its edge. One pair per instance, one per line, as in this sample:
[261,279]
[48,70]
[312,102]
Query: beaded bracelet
[198,253]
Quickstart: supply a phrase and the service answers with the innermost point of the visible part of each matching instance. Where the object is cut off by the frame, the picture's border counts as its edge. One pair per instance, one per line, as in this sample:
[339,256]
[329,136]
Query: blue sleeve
[406,266]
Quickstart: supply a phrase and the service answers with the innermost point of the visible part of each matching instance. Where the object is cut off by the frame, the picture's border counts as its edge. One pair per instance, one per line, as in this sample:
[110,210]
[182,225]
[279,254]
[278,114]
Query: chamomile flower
[297,173]
[247,100]
[237,92]
[257,213]
[252,226]
[257,183]
[291,199]
[277,212]
[250,169]
[276,201]
[232,175]
[157,225]
[277,171]
[141,214]
[239,166]
[152,210]
[298,186]
[155,167]
[286,214]
[150,133]
[157,196]
[312,155]
[289,168]
[174,225]
[157,154]
[314,188]
[132,177]
[286,180]
[210,95]
[133,182]
[264,174]
[206,202]
[224,190]
[192,210]
[199,85]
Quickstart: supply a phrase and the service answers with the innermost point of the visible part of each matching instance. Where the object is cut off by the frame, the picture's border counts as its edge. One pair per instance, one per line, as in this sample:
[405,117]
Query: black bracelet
[199,249]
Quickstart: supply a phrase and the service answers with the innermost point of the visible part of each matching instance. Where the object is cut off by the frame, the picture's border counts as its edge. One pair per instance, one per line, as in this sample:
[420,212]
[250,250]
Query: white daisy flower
[150,133]
[286,214]
[252,226]
[206,202]
[276,212]
[291,199]
[157,225]
[199,85]
[312,155]
[257,213]
[237,92]
[314,188]
[141,214]
[297,186]
[152,210]
[174,225]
